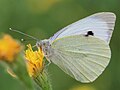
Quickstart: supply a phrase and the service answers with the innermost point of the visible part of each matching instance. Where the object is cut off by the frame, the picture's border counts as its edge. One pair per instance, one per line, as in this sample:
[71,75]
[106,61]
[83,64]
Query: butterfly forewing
[101,24]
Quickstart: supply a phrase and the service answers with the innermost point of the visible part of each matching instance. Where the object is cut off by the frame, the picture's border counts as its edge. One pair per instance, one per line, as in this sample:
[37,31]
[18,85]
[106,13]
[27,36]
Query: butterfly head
[45,46]
[43,43]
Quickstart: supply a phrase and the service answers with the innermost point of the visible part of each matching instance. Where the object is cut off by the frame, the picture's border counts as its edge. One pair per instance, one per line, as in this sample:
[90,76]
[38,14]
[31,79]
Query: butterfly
[82,49]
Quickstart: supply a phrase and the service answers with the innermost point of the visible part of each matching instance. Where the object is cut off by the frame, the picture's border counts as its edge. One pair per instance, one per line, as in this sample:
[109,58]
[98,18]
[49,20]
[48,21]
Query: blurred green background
[42,18]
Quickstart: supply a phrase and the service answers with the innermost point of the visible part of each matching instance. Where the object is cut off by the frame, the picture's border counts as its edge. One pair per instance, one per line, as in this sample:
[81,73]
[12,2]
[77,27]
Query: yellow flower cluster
[34,61]
[9,48]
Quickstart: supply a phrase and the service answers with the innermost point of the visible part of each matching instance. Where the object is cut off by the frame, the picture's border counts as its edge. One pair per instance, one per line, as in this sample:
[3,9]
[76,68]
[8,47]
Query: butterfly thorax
[45,46]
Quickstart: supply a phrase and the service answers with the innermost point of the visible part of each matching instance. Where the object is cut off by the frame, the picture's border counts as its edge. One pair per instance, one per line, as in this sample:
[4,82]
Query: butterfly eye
[89,33]
[43,44]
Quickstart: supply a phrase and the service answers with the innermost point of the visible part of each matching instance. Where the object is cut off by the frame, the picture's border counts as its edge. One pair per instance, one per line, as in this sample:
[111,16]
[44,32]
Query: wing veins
[79,70]
[87,53]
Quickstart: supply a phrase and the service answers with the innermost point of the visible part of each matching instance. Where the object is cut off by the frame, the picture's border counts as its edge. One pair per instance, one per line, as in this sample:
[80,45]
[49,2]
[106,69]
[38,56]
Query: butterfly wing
[101,24]
[83,58]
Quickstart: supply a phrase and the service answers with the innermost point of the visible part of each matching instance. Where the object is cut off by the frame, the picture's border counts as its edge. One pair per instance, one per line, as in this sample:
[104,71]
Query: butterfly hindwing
[83,58]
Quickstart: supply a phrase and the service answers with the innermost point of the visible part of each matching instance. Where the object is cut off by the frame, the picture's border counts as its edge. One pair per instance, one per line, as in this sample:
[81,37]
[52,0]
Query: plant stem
[42,81]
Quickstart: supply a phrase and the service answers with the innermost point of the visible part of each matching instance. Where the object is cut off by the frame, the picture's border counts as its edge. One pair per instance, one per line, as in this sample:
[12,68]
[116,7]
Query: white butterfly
[82,49]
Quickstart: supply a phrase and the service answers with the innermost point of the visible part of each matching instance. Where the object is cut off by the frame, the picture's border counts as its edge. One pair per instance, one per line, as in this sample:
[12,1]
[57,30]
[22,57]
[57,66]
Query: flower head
[34,61]
[9,48]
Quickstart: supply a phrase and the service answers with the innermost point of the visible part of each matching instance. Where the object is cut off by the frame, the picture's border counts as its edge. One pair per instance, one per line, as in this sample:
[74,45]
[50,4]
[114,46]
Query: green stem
[42,81]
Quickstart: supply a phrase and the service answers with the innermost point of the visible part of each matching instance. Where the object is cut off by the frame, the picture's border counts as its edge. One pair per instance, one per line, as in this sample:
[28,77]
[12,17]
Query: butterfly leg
[49,62]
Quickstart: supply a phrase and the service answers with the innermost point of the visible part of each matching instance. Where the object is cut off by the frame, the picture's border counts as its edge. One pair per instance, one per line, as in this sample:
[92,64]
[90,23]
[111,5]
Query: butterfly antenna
[23,34]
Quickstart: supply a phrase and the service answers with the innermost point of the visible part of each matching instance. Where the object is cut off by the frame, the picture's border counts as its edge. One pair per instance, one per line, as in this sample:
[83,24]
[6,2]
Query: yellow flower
[34,61]
[9,48]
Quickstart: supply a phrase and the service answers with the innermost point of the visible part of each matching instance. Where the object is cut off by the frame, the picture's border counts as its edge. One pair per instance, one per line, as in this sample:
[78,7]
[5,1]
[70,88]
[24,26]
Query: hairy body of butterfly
[82,49]
[46,47]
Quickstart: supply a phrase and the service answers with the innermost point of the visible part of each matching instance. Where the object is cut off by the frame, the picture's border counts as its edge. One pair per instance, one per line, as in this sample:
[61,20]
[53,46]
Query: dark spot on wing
[89,33]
